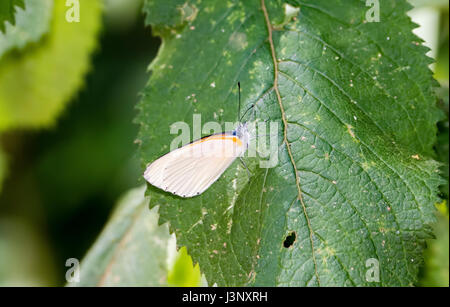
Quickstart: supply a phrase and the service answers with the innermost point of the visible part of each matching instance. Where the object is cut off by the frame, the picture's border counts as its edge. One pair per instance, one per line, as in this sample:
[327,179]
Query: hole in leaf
[290,239]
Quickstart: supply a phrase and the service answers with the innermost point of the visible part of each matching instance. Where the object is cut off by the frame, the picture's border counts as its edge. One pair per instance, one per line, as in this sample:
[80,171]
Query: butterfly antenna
[239,105]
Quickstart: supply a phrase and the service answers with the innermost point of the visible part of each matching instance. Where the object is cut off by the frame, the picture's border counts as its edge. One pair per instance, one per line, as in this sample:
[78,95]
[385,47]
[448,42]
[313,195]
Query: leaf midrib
[285,127]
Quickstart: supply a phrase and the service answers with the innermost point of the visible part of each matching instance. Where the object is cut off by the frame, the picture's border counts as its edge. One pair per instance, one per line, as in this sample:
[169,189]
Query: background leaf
[58,63]
[443,138]
[133,250]
[435,271]
[18,240]
[92,142]
[3,167]
[32,23]
[355,102]
[8,10]
[183,272]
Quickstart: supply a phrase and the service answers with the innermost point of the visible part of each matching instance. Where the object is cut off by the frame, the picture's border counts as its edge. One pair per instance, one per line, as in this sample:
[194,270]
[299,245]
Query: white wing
[190,170]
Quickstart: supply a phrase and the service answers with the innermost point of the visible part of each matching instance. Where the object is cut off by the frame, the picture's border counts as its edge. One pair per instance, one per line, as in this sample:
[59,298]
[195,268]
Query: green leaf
[443,138]
[18,240]
[354,99]
[133,250]
[436,255]
[8,10]
[32,23]
[432,3]
[36,83]
[183,272]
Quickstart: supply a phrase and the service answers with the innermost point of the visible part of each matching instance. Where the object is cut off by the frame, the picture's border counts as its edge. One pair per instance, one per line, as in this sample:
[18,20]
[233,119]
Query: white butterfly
[190,170]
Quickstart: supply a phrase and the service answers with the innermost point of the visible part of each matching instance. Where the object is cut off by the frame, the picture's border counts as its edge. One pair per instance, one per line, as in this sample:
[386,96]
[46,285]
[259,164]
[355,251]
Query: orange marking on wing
[234,138]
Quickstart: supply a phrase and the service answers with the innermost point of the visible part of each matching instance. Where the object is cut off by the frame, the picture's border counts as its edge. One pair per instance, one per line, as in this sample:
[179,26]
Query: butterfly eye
[234,132]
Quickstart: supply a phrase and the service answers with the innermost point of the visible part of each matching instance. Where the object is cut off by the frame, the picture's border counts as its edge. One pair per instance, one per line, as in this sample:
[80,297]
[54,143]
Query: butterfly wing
[190,170]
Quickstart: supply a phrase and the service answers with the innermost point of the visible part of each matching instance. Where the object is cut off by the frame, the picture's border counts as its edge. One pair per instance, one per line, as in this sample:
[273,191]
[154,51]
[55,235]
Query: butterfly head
[242,132]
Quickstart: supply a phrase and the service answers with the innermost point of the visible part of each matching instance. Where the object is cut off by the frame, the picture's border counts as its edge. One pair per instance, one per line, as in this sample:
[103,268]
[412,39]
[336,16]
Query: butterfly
[191,169]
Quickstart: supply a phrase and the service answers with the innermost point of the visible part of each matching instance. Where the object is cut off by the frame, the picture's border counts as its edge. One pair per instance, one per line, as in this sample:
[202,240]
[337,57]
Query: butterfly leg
[248,171]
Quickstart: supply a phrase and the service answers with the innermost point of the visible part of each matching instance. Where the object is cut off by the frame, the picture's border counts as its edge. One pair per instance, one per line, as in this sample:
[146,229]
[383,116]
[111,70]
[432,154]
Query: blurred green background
[60,184]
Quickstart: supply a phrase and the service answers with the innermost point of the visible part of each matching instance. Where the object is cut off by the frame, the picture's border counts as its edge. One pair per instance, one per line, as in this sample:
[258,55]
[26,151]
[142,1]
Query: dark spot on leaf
[290,239]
